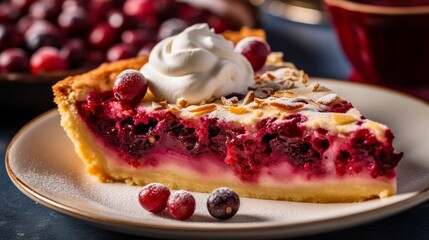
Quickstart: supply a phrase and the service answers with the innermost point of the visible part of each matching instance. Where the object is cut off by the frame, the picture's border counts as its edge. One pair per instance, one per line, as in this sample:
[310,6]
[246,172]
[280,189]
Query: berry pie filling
[201,113]
[143,137]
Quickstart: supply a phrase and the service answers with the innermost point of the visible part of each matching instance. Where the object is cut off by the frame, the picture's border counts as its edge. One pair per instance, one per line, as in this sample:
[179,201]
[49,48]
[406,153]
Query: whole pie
[281,137]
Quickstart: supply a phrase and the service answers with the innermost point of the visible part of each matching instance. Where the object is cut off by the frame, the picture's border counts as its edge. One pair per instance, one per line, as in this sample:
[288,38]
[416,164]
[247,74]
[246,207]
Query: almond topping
[224,100]
[157,106]
[316,87]
[327,99]
[289,106]
[259,101]
[343,119]
[199,110]
[249,97]
[181,102]
[270,76]
[259,113]
[286,94]
[237,110]
[289,84]
[173,109]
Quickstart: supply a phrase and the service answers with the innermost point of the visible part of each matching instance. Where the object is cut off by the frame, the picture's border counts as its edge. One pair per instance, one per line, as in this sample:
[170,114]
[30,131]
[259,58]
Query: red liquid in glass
[394,3]
[390,49]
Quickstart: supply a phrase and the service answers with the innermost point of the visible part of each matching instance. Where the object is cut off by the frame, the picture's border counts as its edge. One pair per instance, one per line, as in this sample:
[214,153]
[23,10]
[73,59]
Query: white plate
[42,163]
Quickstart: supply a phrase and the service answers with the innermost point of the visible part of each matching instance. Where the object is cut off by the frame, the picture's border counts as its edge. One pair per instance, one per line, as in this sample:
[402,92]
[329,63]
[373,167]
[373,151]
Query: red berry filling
[135,132]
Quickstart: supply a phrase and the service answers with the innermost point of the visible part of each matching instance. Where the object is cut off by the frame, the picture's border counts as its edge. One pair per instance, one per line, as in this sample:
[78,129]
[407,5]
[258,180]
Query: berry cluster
[223,203]
[56,35]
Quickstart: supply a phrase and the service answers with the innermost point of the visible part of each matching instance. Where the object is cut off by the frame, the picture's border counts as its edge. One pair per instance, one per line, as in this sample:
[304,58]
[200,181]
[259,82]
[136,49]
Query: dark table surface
[23,218]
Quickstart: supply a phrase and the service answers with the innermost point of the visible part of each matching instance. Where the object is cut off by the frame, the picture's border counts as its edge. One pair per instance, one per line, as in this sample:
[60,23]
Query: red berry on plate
[14,60]
[47,59]
[130,86]
[255,49]
[153,197]
[181,205]
[223,203]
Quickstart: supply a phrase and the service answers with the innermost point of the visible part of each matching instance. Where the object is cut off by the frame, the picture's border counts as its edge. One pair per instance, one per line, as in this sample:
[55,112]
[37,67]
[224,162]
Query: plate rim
[291,230]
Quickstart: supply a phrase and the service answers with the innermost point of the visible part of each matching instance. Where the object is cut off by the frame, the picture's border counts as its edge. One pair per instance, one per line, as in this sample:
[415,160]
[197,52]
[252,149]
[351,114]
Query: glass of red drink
[386,41]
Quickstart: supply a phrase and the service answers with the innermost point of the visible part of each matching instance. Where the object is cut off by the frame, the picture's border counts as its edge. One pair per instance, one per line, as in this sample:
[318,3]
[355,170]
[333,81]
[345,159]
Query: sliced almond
[304,78]
[237,110]
[343,119]
[224,101]
[157,106]
[173,109]
[287,94]
[315,87]
[270,76]
[289,106]
[199,110]
[327,99]
[250,96]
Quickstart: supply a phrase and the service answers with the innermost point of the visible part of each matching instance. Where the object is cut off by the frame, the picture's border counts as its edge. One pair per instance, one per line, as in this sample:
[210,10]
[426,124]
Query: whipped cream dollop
[196,64]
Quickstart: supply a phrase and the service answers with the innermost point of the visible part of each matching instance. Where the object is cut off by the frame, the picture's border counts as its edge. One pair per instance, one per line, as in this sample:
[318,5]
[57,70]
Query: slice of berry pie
[212,119]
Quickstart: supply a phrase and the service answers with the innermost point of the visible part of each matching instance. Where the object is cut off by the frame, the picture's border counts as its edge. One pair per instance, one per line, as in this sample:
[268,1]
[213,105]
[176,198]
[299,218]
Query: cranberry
[74,3]
[181,205]
[74,51]
[192,14]
[24,23]
[255,49]
[145,50]
[138,37]
[130,86]
[47,59]
[119,20]
[102,36]
[94,58]
[46,10]
[22,5]
[223,203]
[14,60]
[73,20]
[153,197]
[9,37]
[141,9]
[42,33]
[9,13]
[120,51]
[171,27]
[99,8]
[218,23]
